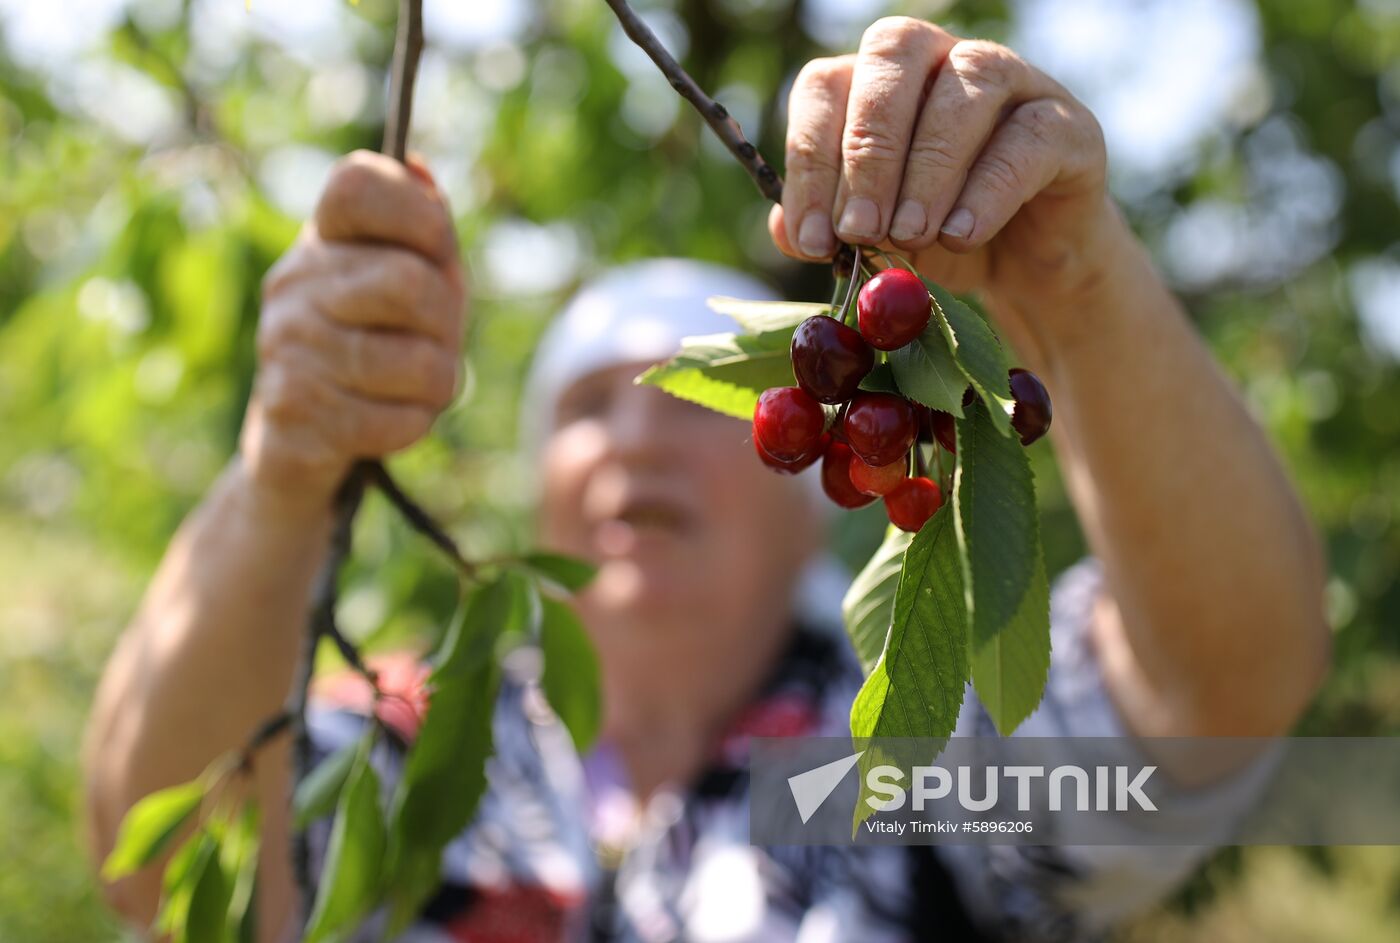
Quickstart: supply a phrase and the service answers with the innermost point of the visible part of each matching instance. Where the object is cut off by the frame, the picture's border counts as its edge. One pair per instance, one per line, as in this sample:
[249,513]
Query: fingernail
[419,169]
[959,223]
[814,236]
[860,220]
[910,221]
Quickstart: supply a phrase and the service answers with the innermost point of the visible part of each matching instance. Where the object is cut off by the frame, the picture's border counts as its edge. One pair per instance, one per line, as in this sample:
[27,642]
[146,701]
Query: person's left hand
[956,151]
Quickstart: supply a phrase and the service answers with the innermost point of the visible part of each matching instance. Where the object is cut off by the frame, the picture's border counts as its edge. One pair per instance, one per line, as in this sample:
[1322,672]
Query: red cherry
[1031,415]
[912,502]
[829,359]
[836,478]
[877,480]
[787,423]
[792,468]
[945,430]
[893,308]
[880,427]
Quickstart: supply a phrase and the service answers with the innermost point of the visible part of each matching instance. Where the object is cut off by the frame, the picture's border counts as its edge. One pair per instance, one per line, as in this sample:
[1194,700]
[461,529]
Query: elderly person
[1199,614]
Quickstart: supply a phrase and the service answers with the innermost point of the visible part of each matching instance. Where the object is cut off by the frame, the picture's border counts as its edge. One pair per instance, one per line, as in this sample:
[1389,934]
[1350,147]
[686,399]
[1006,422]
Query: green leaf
[149,826]
[490,610]
[445,774]
[316,795]
[570,679]
[726,372]
[917,686]
[177,884]
[1009,670]
[868,608]
[571,573]
[880,379]
[977,352]
[240,860]
[207,919]
[757,317]
[925,370]
[998,527]
[351,878]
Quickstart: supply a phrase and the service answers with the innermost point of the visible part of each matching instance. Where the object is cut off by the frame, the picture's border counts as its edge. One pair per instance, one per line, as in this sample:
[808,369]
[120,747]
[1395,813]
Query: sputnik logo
[810,789]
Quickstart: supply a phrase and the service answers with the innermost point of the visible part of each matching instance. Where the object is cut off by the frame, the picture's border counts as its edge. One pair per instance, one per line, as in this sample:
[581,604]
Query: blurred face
[669,499]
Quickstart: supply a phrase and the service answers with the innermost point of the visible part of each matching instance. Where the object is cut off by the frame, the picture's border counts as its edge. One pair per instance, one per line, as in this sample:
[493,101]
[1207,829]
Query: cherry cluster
[867,440]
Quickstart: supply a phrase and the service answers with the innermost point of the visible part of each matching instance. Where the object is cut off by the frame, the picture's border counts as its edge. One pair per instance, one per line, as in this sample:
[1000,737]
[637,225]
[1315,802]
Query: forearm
[210,654]
[1214,623]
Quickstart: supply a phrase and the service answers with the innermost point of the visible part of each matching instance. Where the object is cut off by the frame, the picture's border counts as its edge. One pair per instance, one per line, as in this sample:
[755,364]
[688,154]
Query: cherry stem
[891,261]
[850,296]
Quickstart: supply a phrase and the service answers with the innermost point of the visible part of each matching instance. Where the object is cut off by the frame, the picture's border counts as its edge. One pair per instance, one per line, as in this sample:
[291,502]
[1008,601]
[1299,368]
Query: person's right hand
[360,334]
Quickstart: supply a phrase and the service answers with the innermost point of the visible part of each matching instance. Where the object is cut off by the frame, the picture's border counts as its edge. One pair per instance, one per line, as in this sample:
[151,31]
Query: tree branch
[325,593]
[418,518]
[719,119]
[408,47]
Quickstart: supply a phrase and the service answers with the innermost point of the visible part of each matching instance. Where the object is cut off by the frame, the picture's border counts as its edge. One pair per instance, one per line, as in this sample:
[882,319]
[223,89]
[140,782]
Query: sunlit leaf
[916,688]
[149,826]
[868,608]
[757,317]
[726,372]
[240,859]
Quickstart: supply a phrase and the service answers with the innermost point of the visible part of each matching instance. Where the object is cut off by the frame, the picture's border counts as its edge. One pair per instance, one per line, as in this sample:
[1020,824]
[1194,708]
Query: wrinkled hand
[955,151]
[360,334]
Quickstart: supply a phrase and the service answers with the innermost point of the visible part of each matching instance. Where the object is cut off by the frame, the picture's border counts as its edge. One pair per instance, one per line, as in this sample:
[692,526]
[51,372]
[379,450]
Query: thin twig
[323,602]
[716,115]
[418,518]
[265,733]
[408,46]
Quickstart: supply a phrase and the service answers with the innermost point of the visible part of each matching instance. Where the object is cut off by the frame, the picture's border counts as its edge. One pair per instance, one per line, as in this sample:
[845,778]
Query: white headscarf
[640,312]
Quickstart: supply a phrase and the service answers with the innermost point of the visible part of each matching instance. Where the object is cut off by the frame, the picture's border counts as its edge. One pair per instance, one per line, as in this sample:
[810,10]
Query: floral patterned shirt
[560,851]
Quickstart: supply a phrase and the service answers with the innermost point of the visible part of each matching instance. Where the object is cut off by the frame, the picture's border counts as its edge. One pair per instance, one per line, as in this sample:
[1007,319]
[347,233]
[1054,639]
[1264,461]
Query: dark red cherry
[787,423]
[829,359]
[912,502]
[877,480]
[792,468]
[836,478]
[945,430]
[880,427]
[1031,415]
[892,309]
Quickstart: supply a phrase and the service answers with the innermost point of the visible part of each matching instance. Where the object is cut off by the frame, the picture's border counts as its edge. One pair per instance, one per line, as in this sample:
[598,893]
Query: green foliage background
[131,252]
